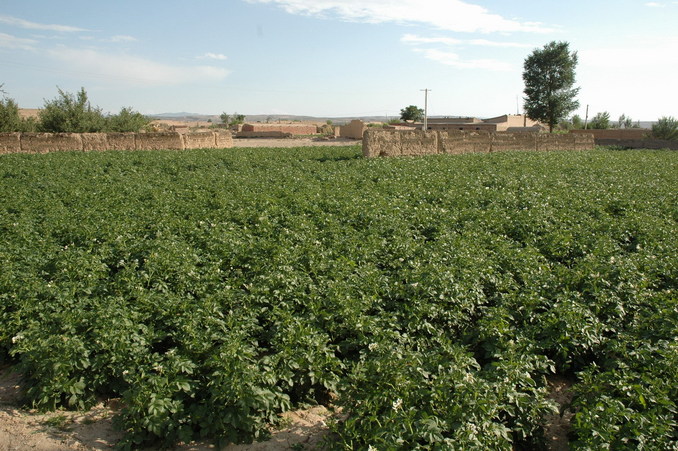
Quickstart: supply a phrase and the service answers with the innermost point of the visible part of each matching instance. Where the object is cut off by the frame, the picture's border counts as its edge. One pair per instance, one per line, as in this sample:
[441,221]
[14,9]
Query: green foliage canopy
[212,290]
[665,128]
[127,120]
[600,121]
[549,76]
[71,113]
[10,119]
[412,113]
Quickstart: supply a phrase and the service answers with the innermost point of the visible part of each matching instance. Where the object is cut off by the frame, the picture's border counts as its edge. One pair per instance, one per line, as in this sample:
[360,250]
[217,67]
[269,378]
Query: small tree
[625,121]
[225,118]
[71,113]
[237,119]
[665,128]
[127,120]
[10,119]
[412,113]
[549,79]
[577,122]
[600,121]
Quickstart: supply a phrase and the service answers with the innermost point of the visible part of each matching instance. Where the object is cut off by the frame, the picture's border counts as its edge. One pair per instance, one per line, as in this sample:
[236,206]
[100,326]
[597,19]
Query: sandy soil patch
[24,430]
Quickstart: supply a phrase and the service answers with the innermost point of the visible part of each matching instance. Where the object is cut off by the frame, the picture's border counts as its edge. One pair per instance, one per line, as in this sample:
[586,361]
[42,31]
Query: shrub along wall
[55,142]
[403,143]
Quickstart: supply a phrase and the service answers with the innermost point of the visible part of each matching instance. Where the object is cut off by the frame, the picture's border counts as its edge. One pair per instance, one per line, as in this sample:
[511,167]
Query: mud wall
[406,143]
[353,130]
[295,129]
[631,138]
[56,142]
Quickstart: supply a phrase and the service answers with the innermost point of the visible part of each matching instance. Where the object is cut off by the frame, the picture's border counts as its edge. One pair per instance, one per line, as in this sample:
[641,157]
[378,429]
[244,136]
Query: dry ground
[28,430]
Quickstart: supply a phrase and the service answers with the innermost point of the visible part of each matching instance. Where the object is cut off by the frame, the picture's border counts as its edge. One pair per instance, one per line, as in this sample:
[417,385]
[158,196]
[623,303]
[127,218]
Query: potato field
[428,300]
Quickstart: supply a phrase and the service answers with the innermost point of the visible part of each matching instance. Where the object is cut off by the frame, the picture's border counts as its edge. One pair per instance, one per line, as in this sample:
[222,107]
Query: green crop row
[430,298]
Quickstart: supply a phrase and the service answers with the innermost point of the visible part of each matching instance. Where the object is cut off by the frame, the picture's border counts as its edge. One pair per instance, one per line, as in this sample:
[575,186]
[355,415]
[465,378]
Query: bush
[600,121]
[127,120]
[665,128]
[11,121]
[70,113]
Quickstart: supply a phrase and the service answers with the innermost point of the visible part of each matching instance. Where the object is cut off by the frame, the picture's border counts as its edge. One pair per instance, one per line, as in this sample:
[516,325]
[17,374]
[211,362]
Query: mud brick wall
[385,143]
[512,141]
[223,140]
[159,141]
[94,141]
[457,142]
[10,143]
[353,130]
[295,129]
[199,140]
[402,143]
[631,138]
[50,142]
[121,141]
[639,143]
[263,134]
[56,142]
[624,133]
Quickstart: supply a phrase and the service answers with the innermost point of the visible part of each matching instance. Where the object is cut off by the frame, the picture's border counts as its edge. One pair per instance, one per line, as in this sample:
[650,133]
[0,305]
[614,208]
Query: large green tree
[412,113]
[549,76]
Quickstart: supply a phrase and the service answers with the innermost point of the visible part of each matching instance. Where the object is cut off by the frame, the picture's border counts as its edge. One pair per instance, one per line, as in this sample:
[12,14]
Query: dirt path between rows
[28,430]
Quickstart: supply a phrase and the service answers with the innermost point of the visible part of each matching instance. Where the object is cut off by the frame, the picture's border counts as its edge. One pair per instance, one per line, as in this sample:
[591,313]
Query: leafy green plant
[213,290]
[665,128]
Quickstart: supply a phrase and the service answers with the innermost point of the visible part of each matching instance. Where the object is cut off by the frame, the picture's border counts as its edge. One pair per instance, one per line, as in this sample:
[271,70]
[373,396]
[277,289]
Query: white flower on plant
[397,404]
[371,448]
[372,346]
[17,338]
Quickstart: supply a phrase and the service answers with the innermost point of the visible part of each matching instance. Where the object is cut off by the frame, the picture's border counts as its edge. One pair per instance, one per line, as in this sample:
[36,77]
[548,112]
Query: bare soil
[24,429]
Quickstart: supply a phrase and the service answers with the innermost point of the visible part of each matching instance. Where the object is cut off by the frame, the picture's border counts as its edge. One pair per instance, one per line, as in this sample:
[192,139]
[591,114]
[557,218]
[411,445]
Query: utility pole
[426,107]
[586,120]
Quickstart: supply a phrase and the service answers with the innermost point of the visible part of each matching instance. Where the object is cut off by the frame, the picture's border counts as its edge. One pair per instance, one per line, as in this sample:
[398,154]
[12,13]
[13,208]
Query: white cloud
[14,21]
[212,56]
[453,59]
[8,41]
[655,4]
[451,15]
[486,43]
[131,69]
[414,39]
[122,38]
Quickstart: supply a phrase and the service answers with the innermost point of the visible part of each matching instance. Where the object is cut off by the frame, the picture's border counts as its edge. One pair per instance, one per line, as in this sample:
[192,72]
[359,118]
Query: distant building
[504,123]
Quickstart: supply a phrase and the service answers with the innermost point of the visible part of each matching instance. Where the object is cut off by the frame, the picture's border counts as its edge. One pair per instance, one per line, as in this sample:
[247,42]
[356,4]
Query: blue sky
[335,57]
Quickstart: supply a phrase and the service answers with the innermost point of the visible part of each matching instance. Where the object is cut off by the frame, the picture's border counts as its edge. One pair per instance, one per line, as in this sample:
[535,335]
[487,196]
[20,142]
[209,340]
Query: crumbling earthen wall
[403,143]
[631,138]
[620,133]
[295,129]
[121,141]
[56,142]
[50,142]
[10,143]
[193,140]
[353,130]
